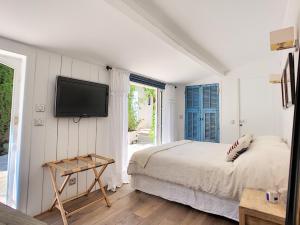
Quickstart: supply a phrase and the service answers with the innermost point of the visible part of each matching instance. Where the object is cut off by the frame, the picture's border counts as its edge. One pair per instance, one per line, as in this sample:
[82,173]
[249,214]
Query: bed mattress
[202,166]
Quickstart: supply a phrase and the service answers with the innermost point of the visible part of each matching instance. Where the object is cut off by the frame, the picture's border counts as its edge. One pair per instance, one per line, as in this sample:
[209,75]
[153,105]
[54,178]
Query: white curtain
[118,117]
[14,152]
[169,128]
[12,168]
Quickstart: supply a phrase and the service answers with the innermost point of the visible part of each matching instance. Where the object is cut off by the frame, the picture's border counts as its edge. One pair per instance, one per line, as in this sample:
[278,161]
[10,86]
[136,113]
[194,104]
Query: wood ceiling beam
[141,15]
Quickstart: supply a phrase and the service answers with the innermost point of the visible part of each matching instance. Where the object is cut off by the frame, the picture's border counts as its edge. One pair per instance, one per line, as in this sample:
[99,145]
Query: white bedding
[202,166]
[141,158]
[178,193]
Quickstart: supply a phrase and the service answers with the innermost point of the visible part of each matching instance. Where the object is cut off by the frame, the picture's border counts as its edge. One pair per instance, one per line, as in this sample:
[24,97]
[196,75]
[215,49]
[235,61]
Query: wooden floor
[131,207]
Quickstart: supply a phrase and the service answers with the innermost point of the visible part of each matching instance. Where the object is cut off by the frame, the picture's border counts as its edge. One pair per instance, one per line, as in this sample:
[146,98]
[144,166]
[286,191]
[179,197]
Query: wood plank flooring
[131,207]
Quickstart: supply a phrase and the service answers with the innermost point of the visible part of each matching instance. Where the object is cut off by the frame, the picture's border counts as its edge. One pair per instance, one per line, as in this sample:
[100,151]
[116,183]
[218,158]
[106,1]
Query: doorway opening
[6,92]
[142,117]
[12,80]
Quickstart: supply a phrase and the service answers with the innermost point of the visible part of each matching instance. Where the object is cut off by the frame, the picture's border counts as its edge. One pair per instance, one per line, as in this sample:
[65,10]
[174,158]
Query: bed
[197,174]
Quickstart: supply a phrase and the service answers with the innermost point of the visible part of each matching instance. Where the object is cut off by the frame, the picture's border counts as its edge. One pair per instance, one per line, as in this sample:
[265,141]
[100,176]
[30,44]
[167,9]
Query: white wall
[180,106]
[260,100]
[229,128]
[228,94]
[169,114]
[59,137]
[228,107]
[280,120]
[260,106]
[269,103]
[292,18]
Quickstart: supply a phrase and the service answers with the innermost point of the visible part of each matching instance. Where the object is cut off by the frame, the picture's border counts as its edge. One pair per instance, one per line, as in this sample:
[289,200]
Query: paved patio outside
[144,141]
[3,177]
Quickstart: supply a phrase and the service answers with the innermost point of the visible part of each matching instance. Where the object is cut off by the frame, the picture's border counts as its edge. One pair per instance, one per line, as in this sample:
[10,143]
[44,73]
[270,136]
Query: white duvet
[202,166]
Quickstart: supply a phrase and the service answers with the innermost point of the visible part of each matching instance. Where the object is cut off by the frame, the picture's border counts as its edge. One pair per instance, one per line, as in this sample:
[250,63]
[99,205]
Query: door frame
[158,122]
[158,112]
[18,64]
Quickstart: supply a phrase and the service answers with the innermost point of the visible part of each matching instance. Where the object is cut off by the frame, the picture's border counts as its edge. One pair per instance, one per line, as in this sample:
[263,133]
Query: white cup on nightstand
[272,196]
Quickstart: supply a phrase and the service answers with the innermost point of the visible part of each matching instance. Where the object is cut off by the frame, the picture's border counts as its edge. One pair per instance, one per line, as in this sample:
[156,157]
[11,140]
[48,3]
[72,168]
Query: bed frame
[196,199]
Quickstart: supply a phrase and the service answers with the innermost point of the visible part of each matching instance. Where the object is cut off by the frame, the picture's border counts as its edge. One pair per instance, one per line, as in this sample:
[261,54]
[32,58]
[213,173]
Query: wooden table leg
[97,175]
[57,194]
[98,179]
[104,193]
[60,191]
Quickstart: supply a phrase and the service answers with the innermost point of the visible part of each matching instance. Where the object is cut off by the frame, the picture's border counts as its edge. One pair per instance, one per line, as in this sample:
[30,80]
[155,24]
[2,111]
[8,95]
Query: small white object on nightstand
[255,209]
[272,196]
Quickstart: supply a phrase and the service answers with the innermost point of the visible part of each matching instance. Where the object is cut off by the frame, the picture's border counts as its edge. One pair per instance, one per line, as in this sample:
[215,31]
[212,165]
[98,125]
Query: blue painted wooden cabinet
[202,113]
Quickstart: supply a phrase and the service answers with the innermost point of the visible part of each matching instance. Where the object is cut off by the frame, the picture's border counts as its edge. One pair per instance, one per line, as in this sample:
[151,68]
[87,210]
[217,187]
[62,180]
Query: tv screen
[78,98]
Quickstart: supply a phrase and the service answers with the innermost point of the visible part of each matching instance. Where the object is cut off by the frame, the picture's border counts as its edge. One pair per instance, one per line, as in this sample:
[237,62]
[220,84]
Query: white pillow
[239,147]
[268,146]
[268,138]
[268,142]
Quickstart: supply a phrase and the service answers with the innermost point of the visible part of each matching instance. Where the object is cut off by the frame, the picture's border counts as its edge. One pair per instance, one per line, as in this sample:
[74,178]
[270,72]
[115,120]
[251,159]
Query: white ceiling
[223,33]
[234,31]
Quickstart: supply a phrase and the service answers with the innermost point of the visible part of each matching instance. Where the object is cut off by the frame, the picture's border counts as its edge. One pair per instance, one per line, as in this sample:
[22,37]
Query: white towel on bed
[142,157]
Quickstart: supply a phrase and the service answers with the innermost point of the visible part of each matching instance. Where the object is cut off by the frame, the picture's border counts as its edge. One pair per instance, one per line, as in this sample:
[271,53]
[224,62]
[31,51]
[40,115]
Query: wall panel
[81,70]
[102,138]
[92,127]
[50,129]
[63,125]
[61,138]
[34,204]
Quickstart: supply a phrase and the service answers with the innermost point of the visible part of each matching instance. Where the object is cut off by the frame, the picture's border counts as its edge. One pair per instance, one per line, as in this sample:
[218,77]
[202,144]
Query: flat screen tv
[78,98]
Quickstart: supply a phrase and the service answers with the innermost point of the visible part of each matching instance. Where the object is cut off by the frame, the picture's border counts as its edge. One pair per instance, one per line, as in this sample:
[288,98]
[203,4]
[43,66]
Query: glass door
[142,117]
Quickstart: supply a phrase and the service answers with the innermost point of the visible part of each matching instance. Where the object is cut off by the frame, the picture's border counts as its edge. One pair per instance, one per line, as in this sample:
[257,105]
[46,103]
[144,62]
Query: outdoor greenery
[133,121]
[6,86]
[133,106]
[151,93]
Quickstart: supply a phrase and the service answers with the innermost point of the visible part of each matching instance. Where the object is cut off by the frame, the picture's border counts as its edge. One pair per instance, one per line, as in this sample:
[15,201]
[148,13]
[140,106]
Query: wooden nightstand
[255,210]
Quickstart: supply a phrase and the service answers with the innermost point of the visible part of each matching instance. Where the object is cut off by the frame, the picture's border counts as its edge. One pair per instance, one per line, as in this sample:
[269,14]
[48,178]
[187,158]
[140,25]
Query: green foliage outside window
[133,106]
[133,121]
[151,93]
[6,88]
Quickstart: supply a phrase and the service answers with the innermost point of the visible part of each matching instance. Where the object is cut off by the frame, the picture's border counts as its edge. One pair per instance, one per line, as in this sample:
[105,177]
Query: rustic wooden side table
[254,209]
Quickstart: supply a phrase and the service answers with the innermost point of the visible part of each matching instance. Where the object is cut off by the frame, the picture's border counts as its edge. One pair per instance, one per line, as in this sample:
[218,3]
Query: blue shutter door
[192,117]
[189,126]
[210,113]
[202,113]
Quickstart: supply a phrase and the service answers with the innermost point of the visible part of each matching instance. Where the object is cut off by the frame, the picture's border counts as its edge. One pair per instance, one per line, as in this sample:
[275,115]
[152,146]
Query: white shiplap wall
[60,137]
